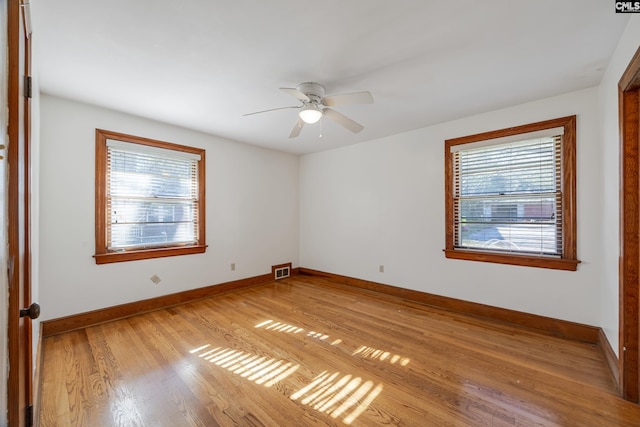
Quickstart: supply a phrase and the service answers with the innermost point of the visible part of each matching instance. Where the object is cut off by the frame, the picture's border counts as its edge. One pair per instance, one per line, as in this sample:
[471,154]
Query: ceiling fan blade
[296,128]
[348,98]
[296,93]
[342,120]
[272,109]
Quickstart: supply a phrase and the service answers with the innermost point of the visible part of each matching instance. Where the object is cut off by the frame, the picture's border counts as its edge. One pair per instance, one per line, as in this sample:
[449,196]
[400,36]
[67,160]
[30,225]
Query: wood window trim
[629,261]
[102,255]
[569,259]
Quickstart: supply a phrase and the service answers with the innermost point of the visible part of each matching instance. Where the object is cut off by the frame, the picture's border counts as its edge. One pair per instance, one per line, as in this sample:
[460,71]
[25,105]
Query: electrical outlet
[233,266]
[381,268]
[156,279]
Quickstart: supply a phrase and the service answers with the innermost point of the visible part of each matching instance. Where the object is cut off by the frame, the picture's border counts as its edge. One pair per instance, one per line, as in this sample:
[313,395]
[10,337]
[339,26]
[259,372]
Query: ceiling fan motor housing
[315,106]
[314,91]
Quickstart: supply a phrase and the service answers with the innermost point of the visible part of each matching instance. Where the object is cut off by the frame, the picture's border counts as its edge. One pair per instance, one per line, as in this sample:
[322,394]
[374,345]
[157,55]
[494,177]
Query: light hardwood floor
[308,352]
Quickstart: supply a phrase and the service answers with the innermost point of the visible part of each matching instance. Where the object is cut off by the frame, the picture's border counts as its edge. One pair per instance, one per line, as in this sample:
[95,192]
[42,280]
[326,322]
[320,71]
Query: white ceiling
[202,64]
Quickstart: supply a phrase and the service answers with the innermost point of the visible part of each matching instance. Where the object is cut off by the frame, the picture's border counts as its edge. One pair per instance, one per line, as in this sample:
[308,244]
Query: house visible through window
[511,196]
[149,198]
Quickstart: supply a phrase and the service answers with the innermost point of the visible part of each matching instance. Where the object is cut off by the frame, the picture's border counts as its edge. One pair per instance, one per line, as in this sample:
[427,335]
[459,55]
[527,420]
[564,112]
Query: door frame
[629,269]
[20,354]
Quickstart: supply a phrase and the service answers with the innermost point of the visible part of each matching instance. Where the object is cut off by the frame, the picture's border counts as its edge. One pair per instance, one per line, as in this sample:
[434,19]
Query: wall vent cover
[281,271]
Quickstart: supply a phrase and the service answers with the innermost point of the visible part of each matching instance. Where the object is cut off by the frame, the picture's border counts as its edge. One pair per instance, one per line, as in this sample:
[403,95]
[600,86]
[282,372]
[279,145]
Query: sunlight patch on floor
[291,329]
[318,335]
[279,326]
[258,369]
[377,354]
[199,349]
[336,394]
[363,351]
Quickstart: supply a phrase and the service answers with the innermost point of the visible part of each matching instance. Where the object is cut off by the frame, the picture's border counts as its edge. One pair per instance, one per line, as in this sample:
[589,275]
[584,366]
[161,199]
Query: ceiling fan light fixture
[310,114]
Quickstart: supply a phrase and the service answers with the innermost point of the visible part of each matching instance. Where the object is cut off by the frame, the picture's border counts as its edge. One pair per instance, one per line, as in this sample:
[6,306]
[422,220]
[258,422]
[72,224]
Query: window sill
[136,255]
[510,259]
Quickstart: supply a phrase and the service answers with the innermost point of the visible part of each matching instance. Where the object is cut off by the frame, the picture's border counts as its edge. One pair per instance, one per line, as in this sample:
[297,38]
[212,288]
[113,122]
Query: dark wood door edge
[629,287]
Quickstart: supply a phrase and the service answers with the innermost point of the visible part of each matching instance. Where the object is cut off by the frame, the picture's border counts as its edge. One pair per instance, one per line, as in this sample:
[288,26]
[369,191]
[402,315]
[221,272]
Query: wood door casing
[629,328]
[18,218]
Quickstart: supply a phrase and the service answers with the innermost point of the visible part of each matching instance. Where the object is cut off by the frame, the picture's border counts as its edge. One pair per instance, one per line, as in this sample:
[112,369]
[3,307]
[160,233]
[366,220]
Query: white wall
[35,189]
[252,213]
[610,136]
[382,203]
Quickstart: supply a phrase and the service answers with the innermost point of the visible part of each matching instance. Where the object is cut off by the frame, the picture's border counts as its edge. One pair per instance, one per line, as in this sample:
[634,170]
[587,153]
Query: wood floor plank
[118,401]
[306,351]
[55,406]
[143,375]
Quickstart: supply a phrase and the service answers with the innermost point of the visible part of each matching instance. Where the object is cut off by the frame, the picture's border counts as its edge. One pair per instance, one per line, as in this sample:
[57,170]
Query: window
[150,198]
[510,195]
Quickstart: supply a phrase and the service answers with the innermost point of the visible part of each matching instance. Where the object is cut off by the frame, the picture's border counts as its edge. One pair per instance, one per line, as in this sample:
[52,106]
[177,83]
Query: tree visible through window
[149,198]
[511,195]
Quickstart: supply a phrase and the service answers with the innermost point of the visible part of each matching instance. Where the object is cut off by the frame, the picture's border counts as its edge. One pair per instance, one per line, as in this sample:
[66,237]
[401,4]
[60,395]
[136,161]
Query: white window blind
[507,197]
[152,197]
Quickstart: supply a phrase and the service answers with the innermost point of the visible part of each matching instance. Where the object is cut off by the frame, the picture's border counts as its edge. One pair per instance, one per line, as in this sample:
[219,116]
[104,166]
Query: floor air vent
[281,271]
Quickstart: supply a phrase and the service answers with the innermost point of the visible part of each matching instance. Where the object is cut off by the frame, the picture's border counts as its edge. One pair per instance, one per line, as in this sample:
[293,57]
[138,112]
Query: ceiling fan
[315,106]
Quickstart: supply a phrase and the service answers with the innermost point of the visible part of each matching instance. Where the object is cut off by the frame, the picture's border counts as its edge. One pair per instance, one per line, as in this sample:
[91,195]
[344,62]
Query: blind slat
[152,197]
[507,197]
